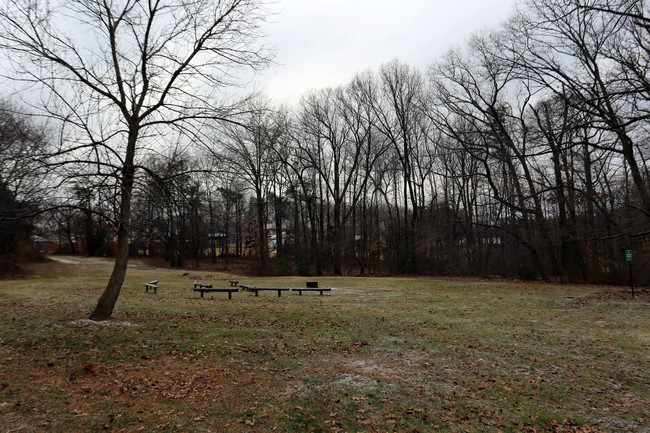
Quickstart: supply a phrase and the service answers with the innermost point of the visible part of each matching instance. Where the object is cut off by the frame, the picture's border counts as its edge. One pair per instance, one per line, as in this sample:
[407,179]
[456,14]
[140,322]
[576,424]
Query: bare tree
[477,112]
[338,145]
[399,118]
[21,138]
[248,151]
[594,54]
[21,181]
[117,74]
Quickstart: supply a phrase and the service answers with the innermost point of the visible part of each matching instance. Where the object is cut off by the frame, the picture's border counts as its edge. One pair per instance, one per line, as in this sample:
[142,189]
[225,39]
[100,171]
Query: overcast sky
[323,43]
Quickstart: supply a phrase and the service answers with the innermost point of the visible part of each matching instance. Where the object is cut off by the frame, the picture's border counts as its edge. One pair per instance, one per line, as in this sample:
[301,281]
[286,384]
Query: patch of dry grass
[376,354]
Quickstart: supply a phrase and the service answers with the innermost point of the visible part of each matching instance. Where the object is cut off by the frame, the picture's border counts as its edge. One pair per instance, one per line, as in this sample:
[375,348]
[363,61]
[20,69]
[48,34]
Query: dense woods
[522,154]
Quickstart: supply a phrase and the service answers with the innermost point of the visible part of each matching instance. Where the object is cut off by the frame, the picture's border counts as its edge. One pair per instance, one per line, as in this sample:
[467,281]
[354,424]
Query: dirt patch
[26,305]
[88,322]
[200,381]
[364,370]
[355,380]
[206,385]
[168,392]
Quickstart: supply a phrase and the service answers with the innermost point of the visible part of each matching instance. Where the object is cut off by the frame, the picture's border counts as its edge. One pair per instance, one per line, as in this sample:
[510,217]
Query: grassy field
[374,355]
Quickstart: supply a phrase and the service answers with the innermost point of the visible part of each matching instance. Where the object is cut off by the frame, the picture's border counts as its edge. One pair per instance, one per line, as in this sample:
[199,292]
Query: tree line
[523,153]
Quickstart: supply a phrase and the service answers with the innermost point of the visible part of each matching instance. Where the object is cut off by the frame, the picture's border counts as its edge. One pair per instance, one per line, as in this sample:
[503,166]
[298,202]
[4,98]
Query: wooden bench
[233,283]
[256,290]
[151,285]
[212,289]
[312,289]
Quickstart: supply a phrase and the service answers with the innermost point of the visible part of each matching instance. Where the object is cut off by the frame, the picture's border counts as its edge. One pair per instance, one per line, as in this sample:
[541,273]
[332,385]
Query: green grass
[376,354]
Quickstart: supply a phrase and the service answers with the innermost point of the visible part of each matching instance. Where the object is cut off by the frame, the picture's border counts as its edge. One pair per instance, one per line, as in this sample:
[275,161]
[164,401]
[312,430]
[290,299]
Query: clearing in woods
[373,355]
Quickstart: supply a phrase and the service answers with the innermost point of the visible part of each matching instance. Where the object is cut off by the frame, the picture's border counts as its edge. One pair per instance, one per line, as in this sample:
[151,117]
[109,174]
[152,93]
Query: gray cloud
[324,43]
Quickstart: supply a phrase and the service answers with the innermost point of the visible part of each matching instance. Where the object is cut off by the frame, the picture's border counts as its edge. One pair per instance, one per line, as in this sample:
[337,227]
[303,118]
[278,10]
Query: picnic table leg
[229,295]
[256,292]
[202,292]
[155,289]
[300,292]
[279,293]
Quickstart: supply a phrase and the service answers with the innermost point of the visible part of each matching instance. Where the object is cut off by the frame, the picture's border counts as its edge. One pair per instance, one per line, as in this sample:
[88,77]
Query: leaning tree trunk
[108,299]
[637,177]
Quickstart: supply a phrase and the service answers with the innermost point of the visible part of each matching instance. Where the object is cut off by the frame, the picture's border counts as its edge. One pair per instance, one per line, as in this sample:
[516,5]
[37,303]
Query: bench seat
[256,290]
[218,290]
[312,289]
[151,285]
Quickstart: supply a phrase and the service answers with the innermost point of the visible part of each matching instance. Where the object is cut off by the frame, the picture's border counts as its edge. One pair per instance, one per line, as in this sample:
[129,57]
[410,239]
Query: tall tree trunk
[315,243]
[337,236]
[212,234]
[592,246]
[107,300]
[637,177]
[262,239]
[297,232]
[279,210]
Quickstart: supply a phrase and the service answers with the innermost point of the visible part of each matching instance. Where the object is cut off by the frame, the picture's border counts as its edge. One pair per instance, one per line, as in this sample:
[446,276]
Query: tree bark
[108,299]
[262,239]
